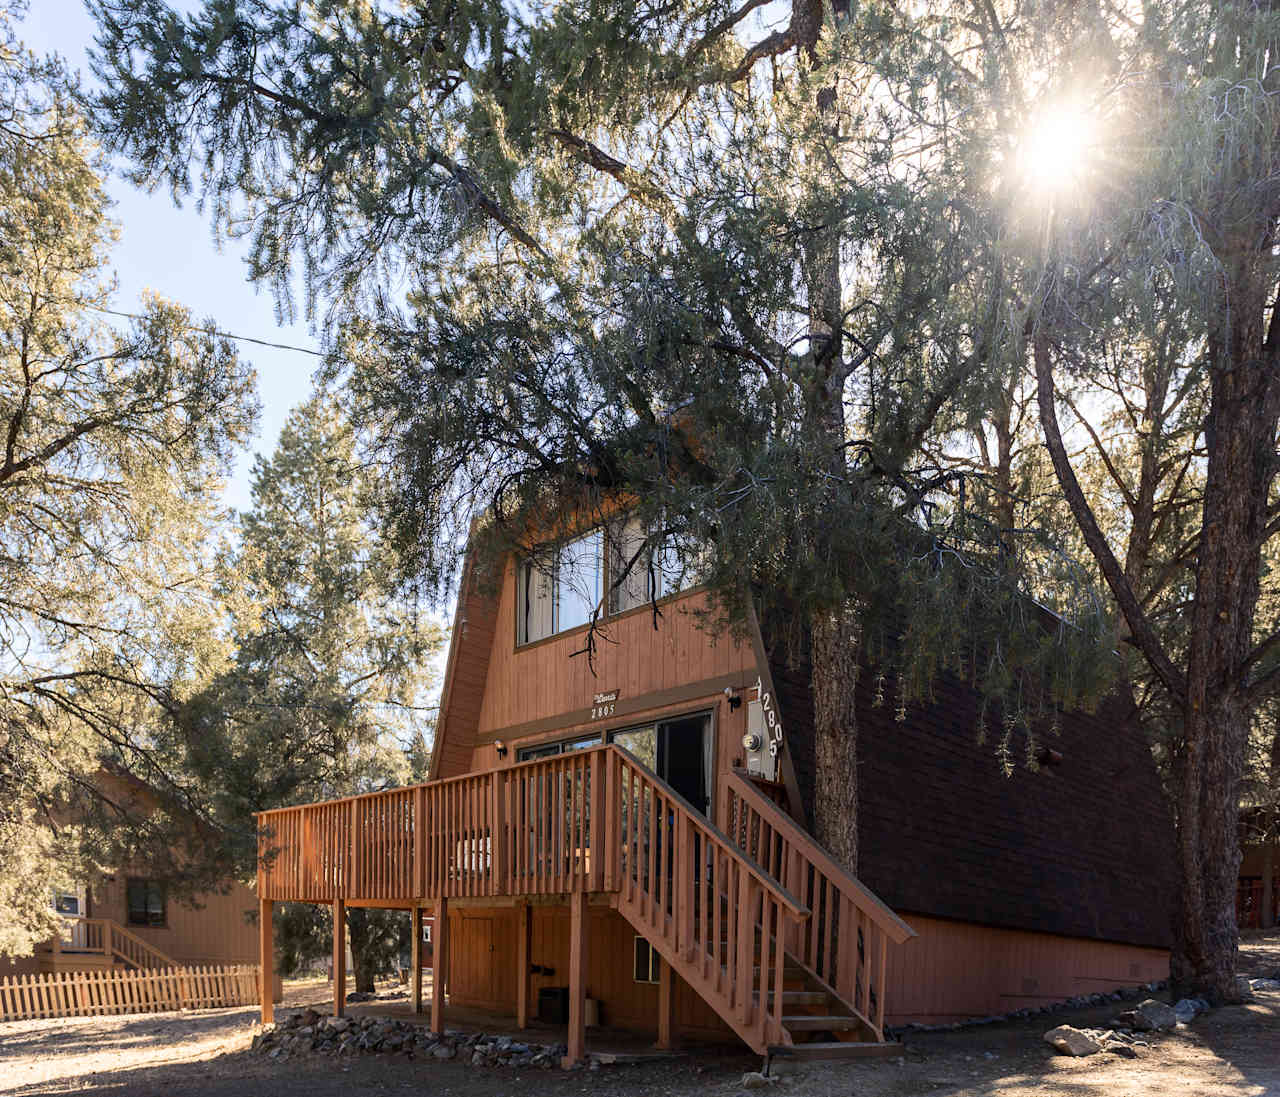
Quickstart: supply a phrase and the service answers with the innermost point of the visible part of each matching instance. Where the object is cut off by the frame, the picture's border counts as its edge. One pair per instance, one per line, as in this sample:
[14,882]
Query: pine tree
[568,255]
[114,439]
[328,691]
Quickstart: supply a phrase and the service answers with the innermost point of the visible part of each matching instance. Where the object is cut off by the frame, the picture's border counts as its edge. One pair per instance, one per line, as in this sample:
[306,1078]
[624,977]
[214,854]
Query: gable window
[640,574]
[145,899]
[561,589]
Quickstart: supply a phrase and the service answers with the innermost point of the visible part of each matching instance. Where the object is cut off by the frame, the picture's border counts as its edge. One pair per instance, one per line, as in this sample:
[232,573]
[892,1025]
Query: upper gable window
[638,575]
[561,589]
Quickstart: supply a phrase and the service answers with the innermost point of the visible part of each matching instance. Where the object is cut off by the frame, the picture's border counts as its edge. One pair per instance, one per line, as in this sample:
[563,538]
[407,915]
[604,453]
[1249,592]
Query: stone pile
[1069,1040]
[308,1032]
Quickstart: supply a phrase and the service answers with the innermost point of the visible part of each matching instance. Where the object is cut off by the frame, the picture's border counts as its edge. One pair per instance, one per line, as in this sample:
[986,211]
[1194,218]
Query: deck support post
[439,963]
[267,958]
[577,1039]
[415,960]
[339,957]
[1265,920]
[524,927]
[666,1008]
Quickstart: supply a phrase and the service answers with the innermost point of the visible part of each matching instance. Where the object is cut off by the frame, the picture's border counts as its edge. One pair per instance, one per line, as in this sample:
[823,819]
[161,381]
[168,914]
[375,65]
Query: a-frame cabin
[634,830]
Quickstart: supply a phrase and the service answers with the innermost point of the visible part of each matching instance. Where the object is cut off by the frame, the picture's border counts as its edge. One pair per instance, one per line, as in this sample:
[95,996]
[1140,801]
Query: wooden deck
[751,916]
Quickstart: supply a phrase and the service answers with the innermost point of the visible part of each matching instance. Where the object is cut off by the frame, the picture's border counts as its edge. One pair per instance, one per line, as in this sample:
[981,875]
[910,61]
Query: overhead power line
[216,331]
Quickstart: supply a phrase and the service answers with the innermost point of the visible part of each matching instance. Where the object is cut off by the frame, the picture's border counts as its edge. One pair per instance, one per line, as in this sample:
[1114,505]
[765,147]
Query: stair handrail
[704,822]
[142,950]
[883,915]
[846,943]
[716,915]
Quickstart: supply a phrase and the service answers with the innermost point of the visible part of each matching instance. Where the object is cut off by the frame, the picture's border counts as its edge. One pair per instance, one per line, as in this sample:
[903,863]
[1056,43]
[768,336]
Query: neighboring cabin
[1020,890]
[128,919]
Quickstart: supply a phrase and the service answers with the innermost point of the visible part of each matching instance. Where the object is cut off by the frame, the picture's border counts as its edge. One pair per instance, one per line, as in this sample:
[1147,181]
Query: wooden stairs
[794,959]
[101,943]
[784,944]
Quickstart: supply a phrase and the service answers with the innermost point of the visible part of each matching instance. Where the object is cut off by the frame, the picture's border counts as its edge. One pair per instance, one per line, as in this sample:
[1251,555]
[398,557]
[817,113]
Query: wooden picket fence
[94,993]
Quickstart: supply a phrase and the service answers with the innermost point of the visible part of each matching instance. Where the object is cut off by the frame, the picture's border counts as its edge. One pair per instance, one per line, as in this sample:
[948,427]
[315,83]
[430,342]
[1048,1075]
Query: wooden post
[267,959]
[339,957]
[577,1039]
[666,1008]
[415,959]
[524,927]
[1265,920]
[439,963]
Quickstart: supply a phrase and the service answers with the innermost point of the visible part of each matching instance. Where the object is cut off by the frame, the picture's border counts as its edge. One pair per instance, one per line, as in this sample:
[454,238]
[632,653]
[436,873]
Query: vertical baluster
[742,941]
[778,968]
[713,928]
[881,989]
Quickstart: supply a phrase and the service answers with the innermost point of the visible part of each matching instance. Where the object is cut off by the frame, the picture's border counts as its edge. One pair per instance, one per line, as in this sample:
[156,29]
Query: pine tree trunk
[835,676]
[833,629]
[361,942]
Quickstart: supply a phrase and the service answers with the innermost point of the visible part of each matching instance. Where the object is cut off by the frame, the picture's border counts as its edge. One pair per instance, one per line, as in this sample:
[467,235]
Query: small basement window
[648,962]
[145,900]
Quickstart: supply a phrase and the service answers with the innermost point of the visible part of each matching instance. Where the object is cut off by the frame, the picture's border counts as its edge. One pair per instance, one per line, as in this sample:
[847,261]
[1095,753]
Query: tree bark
[835,648]
[1212,693]
[1241,428]
[362,961]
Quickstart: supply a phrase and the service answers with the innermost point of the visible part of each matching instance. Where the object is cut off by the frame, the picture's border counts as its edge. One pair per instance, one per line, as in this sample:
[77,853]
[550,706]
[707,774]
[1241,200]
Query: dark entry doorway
[678,752]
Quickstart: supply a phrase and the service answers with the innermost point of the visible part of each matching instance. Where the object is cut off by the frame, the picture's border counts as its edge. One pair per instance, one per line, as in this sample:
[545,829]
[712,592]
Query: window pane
[145,900]
[535,602]
[578,580]
[641,743]
[677,565]
[625,543]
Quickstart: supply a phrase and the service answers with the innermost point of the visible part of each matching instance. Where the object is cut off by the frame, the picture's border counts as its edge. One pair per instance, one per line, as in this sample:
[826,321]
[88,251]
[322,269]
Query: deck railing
[722,907]
[102,937]
[846,939]
[523,830]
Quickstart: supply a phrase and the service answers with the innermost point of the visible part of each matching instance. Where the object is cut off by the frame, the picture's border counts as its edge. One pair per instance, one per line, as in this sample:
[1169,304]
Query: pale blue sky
[171,251]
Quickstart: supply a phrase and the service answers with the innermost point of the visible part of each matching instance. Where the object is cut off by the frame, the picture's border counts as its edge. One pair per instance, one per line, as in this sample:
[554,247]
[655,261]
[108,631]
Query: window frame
[606,604]
[147,921]
[655,962]
[527,569]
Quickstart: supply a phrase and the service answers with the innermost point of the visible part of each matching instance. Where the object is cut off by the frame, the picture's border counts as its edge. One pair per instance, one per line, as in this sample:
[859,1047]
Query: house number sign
[772,721]
[603,704]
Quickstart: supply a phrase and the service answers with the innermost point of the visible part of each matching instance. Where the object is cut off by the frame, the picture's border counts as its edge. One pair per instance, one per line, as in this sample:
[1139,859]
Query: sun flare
[1055,152]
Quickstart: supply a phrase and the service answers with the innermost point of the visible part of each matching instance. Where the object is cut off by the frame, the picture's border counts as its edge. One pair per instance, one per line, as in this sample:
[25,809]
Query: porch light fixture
[500,747]
[735,698]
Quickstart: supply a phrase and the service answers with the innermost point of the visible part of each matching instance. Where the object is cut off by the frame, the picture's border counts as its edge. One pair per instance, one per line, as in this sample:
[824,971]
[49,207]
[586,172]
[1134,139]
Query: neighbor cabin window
[639,574]
[67,902]
[648,962]
[146,902]
[560,589]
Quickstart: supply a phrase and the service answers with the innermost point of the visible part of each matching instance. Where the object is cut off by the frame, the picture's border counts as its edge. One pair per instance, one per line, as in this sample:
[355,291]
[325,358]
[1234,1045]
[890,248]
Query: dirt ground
[1231,1052]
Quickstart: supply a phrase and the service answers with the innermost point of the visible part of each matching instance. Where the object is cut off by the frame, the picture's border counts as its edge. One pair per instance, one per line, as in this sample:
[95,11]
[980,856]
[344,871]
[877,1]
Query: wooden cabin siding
[545,681]
[482,959]
[957,970]
[466,674]
[954,970]
[214,931]
[1083,849]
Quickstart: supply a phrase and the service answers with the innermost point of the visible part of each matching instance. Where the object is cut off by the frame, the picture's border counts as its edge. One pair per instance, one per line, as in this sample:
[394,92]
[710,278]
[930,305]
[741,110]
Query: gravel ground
[1231,1052]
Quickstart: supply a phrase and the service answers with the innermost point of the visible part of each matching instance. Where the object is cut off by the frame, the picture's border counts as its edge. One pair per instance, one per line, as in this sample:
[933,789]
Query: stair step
[805,997]
[836,1050]
[816,1022]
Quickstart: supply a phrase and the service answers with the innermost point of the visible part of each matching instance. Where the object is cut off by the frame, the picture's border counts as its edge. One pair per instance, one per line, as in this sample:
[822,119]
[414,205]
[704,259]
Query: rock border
[309,1033]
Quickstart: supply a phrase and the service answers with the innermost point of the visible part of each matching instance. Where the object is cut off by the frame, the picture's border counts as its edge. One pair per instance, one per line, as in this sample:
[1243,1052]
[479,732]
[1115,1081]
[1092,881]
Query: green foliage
[113,442]
[542,299]
[327,693]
